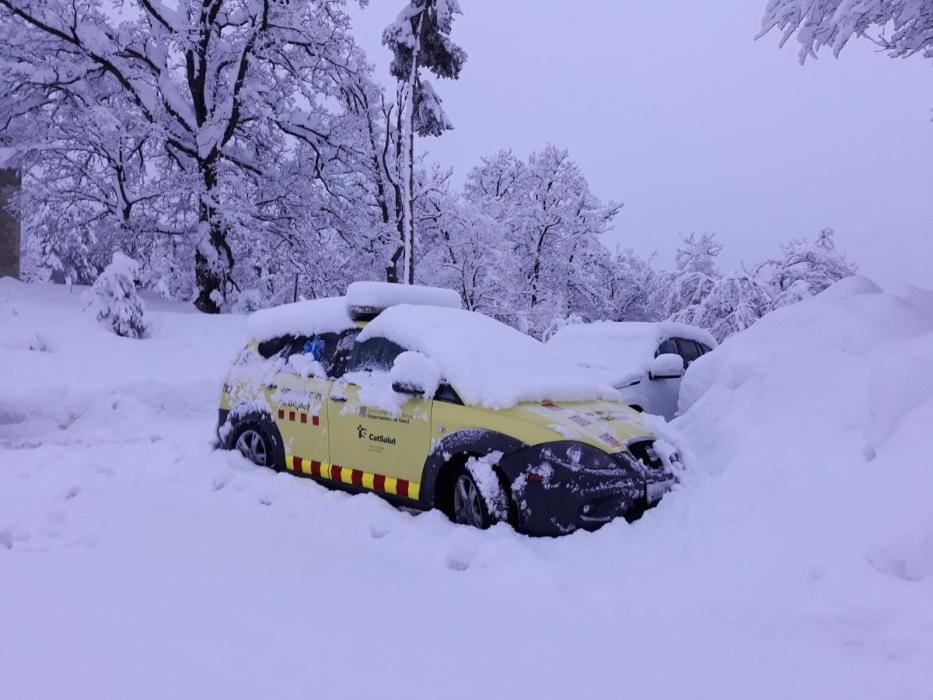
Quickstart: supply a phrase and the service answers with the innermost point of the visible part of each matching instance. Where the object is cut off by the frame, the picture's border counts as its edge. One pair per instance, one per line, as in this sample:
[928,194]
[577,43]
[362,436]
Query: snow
[381,295]
[328,315]
[488,363]
[482,469]
[626,349]
[375,390]
[8,157]
[417,370]
[138,562]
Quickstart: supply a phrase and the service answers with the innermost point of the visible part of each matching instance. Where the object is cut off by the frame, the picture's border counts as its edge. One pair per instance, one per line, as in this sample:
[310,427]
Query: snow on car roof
[381,295]
[326,315]
[488,363]
[335,314]
[622,347]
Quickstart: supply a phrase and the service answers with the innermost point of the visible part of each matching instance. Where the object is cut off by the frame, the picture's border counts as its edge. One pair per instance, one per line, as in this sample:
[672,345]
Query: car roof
[363,301]
[488,363]
[623,348]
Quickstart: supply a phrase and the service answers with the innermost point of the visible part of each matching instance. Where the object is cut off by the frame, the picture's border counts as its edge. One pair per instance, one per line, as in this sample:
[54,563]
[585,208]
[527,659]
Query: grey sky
[672,108]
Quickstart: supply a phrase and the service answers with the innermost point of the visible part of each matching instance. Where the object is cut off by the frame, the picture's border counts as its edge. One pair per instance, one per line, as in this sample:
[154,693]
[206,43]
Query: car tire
[467,504]
[258,444]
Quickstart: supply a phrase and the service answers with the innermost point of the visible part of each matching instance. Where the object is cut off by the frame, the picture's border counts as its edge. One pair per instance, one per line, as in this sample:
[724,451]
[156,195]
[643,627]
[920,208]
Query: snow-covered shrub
[114,299]
[248,301]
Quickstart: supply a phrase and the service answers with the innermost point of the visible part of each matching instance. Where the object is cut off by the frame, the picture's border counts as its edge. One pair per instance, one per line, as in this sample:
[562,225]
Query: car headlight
[577,456]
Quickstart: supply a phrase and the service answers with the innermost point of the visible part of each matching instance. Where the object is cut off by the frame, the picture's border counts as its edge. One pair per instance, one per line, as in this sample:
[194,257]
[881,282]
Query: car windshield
[488,363]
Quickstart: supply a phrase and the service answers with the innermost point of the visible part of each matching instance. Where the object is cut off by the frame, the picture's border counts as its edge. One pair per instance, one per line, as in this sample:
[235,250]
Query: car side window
[375,354]
[446,393]
[704,349]
[668,347]
[343,353]
[271,348]
[689,350]
[320,347]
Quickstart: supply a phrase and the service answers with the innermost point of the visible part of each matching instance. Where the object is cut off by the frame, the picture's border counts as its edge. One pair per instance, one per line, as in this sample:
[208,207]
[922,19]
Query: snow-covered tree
[632,288]
[900,27]
[418,38]
[551,222]
[806,268]
[694,277]
[734,302]
[463,249]
[115,301]
[235,97]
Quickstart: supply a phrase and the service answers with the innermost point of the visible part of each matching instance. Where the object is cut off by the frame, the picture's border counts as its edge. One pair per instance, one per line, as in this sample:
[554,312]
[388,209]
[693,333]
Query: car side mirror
[407,388]
[415,374]
[667,366]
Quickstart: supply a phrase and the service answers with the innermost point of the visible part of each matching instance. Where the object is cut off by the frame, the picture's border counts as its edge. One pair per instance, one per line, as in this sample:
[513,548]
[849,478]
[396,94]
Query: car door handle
[338,399]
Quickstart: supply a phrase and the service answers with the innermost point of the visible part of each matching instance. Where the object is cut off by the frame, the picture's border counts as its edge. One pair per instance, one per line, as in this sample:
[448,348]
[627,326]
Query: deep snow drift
[795,561]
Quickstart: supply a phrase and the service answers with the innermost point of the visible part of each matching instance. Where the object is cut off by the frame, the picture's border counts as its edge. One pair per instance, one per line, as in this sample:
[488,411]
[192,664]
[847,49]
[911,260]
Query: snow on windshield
[328,315]
[488,363]
[622,348]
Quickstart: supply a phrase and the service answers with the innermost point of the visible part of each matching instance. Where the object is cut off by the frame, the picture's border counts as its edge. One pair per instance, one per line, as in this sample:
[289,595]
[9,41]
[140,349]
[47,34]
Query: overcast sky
[672,108]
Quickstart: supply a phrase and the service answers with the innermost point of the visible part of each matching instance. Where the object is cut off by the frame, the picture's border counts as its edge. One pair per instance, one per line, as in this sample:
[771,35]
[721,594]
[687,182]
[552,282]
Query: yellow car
[398,391]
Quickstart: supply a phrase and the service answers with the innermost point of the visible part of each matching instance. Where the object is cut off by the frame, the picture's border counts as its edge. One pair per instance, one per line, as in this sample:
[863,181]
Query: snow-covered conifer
[115,301]
[419,38]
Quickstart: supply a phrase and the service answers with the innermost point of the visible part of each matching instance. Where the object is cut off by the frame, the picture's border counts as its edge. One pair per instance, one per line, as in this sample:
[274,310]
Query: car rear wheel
[469,505]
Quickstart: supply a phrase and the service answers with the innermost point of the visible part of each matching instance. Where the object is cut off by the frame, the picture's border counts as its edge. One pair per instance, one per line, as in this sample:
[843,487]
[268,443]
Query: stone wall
[9,224]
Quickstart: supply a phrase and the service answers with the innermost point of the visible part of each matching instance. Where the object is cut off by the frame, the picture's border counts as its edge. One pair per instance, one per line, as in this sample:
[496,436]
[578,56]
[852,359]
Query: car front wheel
[469,505]
[255,444]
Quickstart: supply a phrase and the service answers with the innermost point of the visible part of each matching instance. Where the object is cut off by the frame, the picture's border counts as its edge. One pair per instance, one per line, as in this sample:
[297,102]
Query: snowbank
[821,413]
[488,363]
[137,562]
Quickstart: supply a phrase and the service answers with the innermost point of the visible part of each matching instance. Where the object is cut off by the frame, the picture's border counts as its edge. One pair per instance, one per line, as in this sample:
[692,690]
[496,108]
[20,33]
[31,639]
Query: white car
[644,361]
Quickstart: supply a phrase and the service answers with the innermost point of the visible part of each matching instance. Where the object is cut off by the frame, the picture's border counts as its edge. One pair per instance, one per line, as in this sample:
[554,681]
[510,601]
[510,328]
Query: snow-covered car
[432,406]
[643,361]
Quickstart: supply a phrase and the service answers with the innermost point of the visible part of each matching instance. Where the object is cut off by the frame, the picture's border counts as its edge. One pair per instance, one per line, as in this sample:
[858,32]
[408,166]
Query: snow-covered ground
[795,561]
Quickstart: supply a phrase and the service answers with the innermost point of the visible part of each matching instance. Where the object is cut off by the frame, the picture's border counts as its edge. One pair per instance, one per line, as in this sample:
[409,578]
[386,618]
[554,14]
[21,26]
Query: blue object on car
[315,347]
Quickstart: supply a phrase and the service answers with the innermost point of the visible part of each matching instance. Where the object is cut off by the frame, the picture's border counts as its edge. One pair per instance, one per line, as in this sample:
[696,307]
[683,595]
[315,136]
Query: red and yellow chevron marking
[293,415]
[354,477]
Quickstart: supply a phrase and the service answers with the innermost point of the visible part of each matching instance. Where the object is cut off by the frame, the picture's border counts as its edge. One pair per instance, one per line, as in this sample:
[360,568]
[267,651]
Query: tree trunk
[410,261]
[407,172]
[213,259]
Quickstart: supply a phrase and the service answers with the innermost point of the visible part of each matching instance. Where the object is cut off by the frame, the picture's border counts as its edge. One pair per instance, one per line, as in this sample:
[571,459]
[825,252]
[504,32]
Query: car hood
[607,425]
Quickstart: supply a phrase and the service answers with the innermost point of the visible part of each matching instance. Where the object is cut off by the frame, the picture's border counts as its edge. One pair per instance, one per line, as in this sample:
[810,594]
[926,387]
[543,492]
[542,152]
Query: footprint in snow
[455,563]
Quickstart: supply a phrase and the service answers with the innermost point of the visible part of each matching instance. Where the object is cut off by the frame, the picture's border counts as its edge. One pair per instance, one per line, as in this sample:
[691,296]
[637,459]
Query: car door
[664,393]
[372,447]
[298,397]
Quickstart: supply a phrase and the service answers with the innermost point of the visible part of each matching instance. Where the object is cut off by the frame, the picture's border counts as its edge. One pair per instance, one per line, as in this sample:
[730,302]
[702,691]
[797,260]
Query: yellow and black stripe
[354,477]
